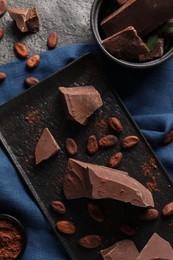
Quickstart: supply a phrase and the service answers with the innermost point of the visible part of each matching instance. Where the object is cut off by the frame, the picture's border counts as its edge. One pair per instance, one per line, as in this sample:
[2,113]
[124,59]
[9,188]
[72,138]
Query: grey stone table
[69,18]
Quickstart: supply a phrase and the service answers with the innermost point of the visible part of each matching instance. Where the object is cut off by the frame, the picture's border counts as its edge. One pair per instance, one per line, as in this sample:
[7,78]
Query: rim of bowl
[94,17]
[20,227]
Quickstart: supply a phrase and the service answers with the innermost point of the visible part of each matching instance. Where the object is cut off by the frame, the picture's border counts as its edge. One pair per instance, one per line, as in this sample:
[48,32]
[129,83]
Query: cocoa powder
[11,241]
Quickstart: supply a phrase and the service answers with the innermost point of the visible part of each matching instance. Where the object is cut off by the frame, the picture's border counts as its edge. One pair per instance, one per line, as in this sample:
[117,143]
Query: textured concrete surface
[69,18]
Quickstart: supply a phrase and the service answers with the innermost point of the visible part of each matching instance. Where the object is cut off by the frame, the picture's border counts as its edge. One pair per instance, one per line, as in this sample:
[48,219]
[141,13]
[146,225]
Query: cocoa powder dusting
[10,240]
[32,117]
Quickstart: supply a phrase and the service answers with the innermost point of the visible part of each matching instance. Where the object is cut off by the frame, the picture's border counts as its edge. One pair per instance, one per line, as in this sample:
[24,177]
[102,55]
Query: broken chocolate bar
[99,182]
[122,250]
[125,44]
[156,53]
[46,147]
[80,102]
[143,15]
[26,18]
[156,248]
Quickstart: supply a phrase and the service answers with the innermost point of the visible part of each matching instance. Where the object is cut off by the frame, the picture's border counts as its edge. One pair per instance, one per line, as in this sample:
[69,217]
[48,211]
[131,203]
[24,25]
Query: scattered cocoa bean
[21,50]
[71,146]
[126,229]
[168,138]
[3,6]
[108,141]
[58,206]
[1,33]
[30,82]
[2,76]
[33,62]
[52,40]
[167,210]
[115,124]
[130,141]
[92,144]
[115,160]
[65,227]
[90,241]
[95,212]
[149,214]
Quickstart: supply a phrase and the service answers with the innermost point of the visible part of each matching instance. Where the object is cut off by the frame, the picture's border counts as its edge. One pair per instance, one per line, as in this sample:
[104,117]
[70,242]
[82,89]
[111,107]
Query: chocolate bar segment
[143,15]
[156,248]
[99,182]
[122,250]
[125,44]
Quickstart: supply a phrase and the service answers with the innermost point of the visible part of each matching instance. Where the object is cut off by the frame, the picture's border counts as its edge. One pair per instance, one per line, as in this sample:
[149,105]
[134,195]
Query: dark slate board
[22,121]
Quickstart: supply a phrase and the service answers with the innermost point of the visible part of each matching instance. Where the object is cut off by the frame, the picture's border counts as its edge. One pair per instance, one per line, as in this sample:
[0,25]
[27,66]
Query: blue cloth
[147,94]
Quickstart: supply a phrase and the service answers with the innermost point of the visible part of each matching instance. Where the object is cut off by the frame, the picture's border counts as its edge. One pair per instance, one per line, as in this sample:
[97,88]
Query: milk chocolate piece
[143,15]
[156,53]
[80,102]
[122,250]
[26,18]
[99,182]
[125,44]
[156,249]
[46,147]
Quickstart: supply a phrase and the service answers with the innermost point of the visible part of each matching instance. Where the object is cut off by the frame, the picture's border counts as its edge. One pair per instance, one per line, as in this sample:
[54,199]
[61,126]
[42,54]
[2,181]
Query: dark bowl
[99,10]
[19,226]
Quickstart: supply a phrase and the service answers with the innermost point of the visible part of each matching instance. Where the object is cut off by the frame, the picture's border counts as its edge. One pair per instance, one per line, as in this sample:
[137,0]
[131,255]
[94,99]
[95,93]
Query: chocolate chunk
[143,15]
[26,18]
[125,44]
[121,250]
[80,102]
[156,248]
[120,2]
[156,53]
[100,182]
[46,147]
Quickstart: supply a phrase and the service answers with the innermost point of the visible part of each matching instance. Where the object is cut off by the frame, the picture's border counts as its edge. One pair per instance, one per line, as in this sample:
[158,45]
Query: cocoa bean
[2,76]
[115,160]
[3,6]
[92,144]
[33,62]
[128,230]
[71,146]
[52,40]
[115,124]
[167,210]
[130,141]
[30,82]
[1,33]
[90,241]
[108,141]
[65,227]
[149,214]
[168,138]
[58,206]
[21,50]
[95,212]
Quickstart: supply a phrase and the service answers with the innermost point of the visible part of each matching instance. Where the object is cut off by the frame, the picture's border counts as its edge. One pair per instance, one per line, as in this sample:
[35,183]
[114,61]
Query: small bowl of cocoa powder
[12,237]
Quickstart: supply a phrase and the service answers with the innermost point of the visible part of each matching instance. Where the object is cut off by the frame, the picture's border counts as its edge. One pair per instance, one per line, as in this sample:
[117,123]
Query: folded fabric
[147,94]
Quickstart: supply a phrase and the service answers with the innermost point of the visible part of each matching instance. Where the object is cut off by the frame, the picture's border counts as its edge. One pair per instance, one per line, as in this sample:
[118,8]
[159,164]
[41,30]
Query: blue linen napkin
[147,94]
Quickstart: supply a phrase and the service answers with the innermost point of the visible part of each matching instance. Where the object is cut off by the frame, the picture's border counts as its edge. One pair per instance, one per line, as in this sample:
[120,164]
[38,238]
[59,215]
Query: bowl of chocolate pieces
[134,33]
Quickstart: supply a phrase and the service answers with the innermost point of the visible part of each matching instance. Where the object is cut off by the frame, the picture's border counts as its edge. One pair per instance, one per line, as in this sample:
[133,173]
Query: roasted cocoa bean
[115,160]
[149,214]
[30,82]
[52,40]
[2,76]
[3,6]
[115,124]
[95,212]
[108,141]
[168,138]
[92,144]
[90,241]
[58,206]
[130,141]
[33,62]
[128,230]
[71,146]
[21,50]
[167,210]
[1,33]
[65,227]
